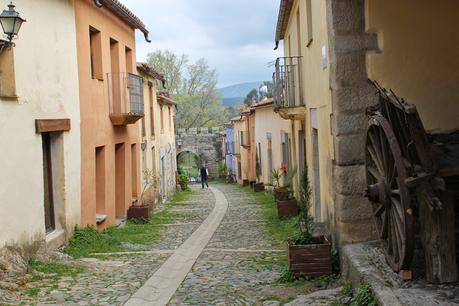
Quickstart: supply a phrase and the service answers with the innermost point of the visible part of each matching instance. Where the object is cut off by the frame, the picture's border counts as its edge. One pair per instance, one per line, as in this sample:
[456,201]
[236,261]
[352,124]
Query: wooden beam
[52,125]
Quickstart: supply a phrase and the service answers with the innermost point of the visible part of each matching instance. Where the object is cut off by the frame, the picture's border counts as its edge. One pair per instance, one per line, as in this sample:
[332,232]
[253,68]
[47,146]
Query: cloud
[235,36]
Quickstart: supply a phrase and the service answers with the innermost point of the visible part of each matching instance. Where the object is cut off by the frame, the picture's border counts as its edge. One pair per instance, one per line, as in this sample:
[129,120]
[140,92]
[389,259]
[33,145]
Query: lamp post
[11,24]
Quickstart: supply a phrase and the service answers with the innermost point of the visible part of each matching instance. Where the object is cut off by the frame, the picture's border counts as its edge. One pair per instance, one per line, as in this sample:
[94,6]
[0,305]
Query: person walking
[204,176]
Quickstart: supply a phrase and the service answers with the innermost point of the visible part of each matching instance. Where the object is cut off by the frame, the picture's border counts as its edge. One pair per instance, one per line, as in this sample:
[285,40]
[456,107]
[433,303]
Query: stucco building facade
[336,46]
[40,118]
[157,132]
[111,98]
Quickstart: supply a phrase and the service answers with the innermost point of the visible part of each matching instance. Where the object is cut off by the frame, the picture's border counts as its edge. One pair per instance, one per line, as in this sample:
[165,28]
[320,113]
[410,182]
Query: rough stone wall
[351,95]
[207,145]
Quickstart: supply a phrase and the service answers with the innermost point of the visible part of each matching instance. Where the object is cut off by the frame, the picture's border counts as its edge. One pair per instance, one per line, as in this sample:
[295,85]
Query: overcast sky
[235,36]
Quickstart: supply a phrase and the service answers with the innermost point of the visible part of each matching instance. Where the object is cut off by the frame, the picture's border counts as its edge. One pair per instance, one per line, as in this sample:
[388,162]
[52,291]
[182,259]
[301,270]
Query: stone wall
[351,95]
[206,143]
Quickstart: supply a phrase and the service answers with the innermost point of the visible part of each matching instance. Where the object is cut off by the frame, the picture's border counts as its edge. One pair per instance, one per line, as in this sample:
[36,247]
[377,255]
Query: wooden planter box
[280,194]
[245,183]
[287,208]
[310,259]
[259,187]
[139,212]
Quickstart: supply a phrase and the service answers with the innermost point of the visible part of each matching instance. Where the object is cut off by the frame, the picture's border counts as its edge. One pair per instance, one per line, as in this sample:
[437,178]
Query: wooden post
[437,234]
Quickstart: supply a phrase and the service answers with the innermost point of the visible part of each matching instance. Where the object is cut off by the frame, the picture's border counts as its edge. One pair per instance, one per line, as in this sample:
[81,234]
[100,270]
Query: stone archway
[189,162]
[207,146]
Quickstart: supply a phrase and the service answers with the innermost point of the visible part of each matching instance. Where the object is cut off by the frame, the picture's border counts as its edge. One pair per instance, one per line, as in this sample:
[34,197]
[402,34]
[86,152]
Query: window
[95,43]
[298,31]
[152,114]
[128,53]
[134,170]
[100,180]
[162,119]
[50,224]
[309,21]
[115,80]
[7,74]
[170,119]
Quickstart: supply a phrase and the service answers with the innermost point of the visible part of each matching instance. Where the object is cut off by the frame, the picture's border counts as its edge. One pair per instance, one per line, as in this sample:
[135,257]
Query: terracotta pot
[287,208]
[139,212]
[259,187]
[245,183]
[310,259]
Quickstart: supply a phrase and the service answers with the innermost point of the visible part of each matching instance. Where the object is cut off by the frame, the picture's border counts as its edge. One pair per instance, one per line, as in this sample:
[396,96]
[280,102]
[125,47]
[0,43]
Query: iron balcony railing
[287,81]
[125,93]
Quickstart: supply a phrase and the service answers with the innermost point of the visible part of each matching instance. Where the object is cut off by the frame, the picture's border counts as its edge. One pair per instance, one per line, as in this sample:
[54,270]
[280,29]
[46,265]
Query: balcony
[288,88]
[125,98]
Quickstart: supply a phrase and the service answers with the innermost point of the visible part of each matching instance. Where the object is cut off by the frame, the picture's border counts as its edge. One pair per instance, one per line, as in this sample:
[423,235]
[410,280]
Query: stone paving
[241,263]
[113,281]
[238,266]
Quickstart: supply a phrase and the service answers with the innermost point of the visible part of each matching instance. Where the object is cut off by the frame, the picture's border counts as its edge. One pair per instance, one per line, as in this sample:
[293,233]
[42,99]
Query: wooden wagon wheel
[386,174]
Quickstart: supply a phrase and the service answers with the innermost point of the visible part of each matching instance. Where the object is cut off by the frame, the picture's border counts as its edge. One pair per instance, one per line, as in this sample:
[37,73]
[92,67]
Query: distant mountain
[235,94]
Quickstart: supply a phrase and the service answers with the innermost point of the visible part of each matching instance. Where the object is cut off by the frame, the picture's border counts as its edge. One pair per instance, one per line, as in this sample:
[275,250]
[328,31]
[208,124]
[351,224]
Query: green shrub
[183,181]
[363,296]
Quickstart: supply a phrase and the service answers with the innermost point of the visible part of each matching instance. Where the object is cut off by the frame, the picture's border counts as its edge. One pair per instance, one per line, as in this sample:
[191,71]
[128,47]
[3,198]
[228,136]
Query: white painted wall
[45,62]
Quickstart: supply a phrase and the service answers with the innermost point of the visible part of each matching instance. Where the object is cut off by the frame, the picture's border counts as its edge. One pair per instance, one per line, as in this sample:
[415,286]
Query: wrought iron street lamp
[11,23]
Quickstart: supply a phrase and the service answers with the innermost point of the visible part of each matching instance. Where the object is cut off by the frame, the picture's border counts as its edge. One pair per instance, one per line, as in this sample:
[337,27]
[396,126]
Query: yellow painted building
[331,49]
[157,132]
[271,139]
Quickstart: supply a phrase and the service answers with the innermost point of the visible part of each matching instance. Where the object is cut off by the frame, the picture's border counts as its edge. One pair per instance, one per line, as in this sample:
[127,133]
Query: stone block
[354,99]
[360,42]
[348,123]
[350,149]
[349,180]
[350,69]
[352,208]
[347,16]
[354,232]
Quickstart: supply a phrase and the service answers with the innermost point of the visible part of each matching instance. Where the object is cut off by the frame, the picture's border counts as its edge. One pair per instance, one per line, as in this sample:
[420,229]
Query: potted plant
[222,170]
[246,182]
[308,255]
[258,186]
[286,203]
[142,208]
[183,181]
[277,176]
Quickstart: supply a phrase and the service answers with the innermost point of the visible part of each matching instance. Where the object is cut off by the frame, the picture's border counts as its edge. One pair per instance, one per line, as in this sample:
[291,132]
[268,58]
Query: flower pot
[310,259]
[139,212]
[245,183]
[259,187]
[287,208]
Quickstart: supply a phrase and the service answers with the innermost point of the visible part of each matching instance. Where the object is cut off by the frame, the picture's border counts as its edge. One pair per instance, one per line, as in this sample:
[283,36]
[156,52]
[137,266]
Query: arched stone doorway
[189,162]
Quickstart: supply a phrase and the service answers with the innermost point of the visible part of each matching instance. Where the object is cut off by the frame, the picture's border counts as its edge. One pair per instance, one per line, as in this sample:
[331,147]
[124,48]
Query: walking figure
[204,176]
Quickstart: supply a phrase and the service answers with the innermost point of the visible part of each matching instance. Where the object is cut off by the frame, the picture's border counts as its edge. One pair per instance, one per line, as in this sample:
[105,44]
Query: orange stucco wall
[96,128]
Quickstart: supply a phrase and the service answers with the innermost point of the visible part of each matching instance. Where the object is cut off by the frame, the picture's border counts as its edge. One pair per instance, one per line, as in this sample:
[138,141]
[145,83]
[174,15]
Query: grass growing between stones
[88,241]
[50,271]
[56,269]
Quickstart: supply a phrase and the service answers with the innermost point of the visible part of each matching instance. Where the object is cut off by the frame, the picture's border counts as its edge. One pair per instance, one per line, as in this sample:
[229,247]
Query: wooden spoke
[379,210]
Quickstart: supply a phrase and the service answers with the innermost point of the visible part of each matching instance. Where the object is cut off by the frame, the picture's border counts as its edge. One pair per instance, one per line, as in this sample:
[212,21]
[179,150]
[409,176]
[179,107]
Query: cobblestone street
[239,266]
